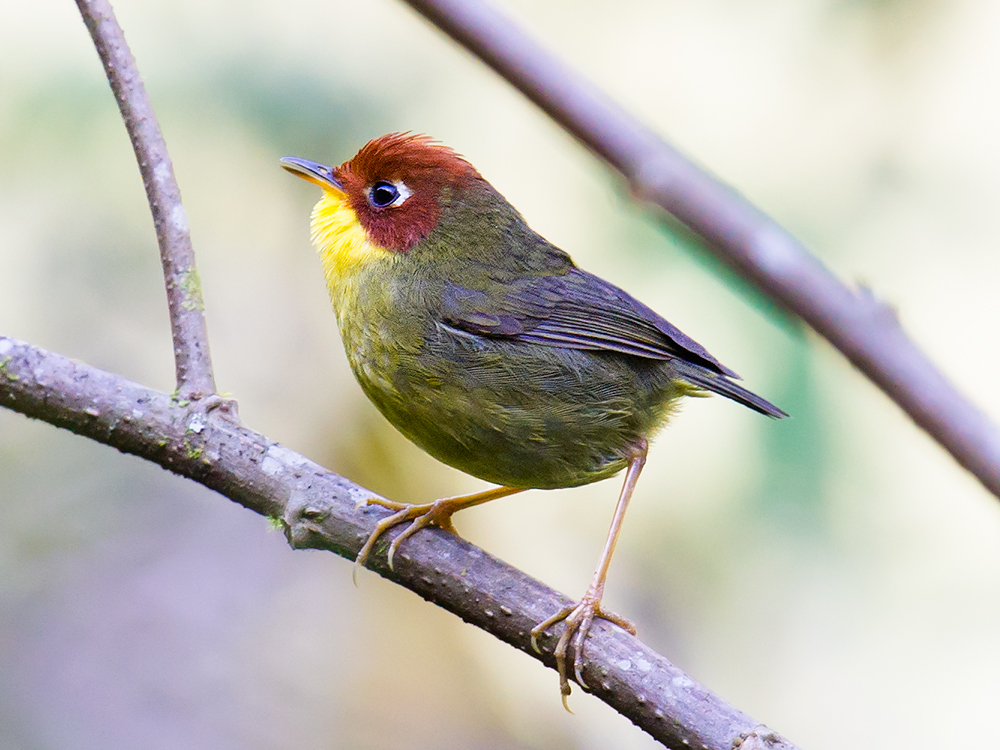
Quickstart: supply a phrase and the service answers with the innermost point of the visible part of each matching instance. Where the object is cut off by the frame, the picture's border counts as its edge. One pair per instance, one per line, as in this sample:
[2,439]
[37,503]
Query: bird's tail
[707,380]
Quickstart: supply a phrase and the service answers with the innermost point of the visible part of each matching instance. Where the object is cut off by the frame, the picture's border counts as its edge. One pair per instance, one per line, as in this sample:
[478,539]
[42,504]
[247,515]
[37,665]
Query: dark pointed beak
[318,174]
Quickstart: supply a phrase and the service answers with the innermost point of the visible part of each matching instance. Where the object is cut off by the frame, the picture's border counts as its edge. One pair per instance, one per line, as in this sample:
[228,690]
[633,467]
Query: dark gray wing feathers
[576,310]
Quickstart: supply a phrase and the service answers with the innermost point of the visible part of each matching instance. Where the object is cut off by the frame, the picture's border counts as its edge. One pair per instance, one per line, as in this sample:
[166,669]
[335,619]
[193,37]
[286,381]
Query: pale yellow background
[834,575]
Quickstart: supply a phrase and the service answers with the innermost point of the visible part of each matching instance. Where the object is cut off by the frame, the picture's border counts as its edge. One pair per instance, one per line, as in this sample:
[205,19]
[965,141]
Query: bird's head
[388,197]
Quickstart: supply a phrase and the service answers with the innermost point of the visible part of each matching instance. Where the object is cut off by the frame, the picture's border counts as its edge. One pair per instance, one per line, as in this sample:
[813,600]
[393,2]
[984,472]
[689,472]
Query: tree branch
[865,330]
[317,510]
[187,320]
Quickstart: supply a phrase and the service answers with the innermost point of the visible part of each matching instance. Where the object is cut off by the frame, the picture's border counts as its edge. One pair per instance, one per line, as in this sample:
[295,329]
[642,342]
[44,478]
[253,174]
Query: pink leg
[579,617]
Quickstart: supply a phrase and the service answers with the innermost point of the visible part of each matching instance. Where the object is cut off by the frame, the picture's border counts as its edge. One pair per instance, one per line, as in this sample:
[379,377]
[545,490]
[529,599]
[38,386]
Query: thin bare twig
[187,319]
[317,510]
[865,330]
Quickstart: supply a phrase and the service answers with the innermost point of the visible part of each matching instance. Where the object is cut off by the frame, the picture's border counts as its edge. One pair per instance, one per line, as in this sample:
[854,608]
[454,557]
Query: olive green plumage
[489,349]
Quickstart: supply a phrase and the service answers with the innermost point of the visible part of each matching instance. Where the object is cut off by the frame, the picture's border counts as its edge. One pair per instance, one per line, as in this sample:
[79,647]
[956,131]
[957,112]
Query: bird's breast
[383,327]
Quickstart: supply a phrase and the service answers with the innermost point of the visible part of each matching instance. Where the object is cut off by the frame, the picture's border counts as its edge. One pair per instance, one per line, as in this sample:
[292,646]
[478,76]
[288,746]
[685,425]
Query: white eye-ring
[384,194]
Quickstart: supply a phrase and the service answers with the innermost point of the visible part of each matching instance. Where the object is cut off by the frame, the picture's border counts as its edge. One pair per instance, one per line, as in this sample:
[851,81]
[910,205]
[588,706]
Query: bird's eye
[383,194]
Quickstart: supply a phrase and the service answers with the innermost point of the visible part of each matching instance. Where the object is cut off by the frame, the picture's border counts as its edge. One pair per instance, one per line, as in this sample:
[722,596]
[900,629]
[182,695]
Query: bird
[489,348]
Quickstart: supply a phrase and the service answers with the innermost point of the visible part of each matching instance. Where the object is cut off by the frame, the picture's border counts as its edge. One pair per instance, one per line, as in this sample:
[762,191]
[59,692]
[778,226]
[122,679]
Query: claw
[578,619]
[438,513]
[384,525]
[409,531]
[565,698]
[541,627]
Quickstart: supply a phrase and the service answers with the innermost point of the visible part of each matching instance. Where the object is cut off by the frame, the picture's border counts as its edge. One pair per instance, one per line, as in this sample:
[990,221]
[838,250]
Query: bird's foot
[437,514]
[578,618]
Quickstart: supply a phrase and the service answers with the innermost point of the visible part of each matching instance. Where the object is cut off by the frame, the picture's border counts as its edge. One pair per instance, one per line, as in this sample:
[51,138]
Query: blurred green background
[834,575]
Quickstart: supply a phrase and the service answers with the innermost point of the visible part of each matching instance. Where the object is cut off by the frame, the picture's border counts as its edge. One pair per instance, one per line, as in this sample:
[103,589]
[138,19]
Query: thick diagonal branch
[865,330]
[317,510]
[187,318]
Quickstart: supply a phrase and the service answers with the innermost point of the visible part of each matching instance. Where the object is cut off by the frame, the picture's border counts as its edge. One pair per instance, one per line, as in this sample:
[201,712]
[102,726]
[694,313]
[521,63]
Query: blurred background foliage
[834,575]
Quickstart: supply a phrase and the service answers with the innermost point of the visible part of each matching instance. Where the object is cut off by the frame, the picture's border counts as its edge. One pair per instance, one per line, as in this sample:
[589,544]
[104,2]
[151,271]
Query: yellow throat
[343,244]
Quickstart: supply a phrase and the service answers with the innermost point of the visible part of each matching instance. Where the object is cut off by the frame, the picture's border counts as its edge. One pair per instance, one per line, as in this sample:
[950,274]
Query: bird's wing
[575,310]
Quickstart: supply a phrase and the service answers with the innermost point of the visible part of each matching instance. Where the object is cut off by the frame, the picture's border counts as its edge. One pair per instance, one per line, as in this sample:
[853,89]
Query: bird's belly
[520,415]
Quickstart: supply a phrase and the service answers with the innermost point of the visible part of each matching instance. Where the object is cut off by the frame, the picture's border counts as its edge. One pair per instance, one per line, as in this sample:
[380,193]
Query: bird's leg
[579,617]
[437,514]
